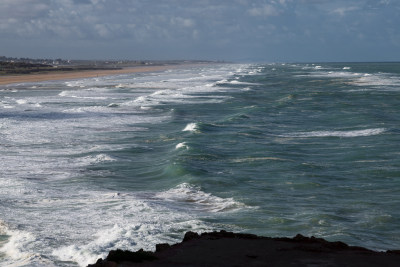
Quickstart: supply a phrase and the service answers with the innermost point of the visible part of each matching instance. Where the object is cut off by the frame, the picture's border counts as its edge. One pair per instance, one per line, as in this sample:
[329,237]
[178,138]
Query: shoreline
[237,249]
[72,75]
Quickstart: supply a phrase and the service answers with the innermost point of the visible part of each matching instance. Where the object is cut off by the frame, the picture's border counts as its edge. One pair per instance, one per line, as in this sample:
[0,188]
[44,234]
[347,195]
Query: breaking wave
[189,195]
[356,133]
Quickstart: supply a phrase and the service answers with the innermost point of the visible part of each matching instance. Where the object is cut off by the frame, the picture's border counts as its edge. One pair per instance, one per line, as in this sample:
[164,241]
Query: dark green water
[274,149]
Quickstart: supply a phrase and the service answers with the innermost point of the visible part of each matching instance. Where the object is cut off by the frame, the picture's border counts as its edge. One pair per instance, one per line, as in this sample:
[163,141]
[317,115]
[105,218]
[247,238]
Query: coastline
[236,249]
[72,75]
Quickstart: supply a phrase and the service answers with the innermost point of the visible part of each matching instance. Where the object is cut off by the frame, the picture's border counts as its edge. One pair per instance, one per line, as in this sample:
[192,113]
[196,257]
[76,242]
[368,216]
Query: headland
[235,249]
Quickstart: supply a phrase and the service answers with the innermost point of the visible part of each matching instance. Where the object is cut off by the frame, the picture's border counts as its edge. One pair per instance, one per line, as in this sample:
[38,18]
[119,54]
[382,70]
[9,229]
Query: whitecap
[94,159]
[141,99]
[112,105]
[355,133]
[138,225]
[253,159]
[187,194]
[334,74]
[18,246]
[181,145]
[21,101]
[190,127]
[8,106]
[64,93]
[243,83]
[222,81]
[129,235]
[377,80]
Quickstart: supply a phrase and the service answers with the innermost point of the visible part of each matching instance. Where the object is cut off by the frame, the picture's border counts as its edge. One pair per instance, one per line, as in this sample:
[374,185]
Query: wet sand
[71,75]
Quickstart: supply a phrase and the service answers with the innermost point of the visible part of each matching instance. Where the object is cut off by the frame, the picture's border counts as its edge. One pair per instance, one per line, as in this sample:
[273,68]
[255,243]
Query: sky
[230,30]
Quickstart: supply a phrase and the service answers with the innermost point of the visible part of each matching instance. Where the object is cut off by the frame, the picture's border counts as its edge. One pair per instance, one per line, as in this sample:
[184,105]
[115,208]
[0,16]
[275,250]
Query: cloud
[182,22]
[22,9]
[264,11]
[195,25]
[342,11]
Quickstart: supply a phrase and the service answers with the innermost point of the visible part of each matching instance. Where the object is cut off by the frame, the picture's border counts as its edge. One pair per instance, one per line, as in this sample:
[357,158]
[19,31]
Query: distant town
[65,62]
[12,65]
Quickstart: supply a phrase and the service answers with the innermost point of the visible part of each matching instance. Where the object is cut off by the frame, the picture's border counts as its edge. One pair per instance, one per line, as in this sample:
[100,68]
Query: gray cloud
[204,28]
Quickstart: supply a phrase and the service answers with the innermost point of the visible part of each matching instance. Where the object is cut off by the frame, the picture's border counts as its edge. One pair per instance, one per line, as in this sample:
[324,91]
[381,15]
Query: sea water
[129,161]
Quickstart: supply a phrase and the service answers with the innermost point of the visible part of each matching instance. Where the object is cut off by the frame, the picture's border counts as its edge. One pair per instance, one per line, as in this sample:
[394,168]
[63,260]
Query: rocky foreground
[232,249]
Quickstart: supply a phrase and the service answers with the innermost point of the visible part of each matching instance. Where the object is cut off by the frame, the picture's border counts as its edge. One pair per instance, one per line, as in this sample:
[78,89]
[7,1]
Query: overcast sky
[234,30]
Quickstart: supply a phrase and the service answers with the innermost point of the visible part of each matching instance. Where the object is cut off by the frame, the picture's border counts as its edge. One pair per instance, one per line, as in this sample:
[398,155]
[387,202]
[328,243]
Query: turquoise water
[129,161]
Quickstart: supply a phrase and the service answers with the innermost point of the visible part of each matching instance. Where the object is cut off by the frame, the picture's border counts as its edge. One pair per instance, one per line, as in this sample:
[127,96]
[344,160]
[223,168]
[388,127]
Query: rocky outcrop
[235,249]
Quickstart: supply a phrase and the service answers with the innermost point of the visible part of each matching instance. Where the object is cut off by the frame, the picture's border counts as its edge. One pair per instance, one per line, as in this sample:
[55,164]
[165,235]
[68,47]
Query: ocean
[132,160]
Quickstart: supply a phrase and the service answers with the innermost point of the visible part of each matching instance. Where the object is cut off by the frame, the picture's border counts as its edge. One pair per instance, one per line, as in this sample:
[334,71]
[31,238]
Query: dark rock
[126,255]
[117,256]
[235,249]
[190,235]
[163,246]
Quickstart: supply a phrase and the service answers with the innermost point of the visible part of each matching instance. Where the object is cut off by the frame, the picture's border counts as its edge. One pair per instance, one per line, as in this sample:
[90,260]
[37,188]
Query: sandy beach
[71,75]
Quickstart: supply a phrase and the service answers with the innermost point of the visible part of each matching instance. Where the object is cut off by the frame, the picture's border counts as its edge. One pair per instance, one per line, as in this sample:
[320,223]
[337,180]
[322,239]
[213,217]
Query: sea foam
[181,145]
[193,196]
[140,223]
[17,249]
[355,133]
[99,158]
[21,101]
[190,127]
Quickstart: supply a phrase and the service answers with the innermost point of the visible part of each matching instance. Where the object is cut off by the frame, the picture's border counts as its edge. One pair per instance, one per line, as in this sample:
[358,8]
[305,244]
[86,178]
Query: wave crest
[191,127]
[188,194]
[18,246]
[355,133]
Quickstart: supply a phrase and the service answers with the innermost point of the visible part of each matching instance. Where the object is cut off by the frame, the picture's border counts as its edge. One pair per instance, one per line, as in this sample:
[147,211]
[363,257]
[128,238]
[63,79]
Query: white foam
[336,74]
[182,145]
[112,105]
[115,220]
[18,248]
[356,133]
[222,81]
[127,236]
[192,196]
[8,106]
[97,159]
[21,101]
[242,83]
[382,80]
[254,159]
[66,218]
[190,127]
[377,80]
[140,100]
[64,93]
